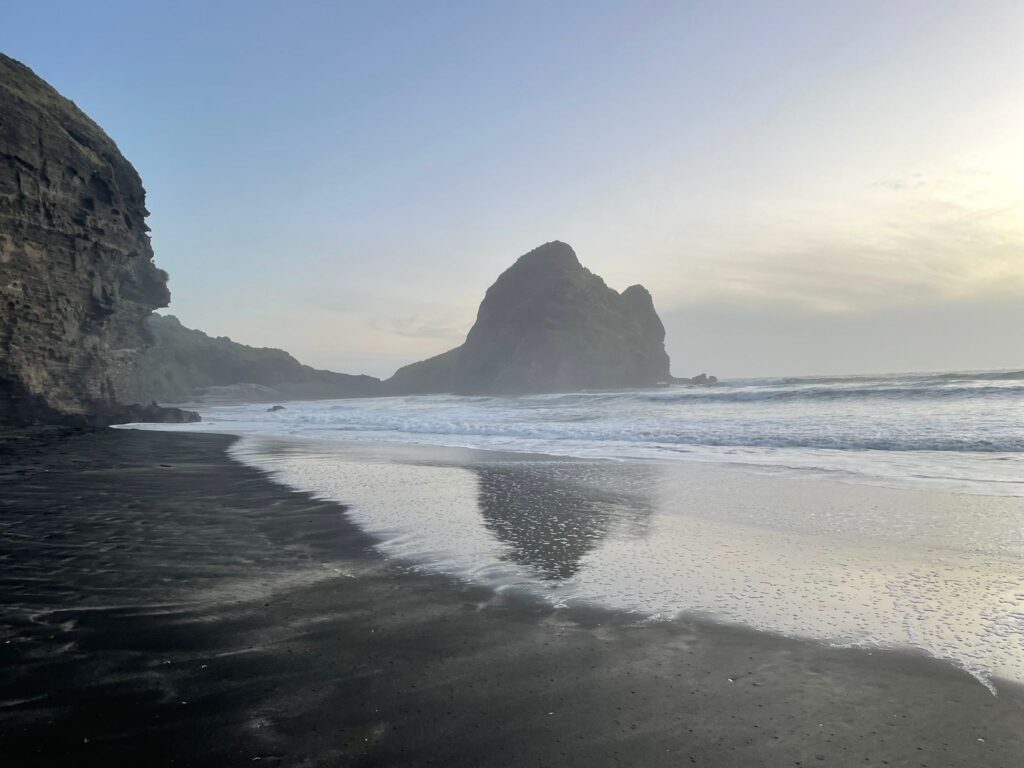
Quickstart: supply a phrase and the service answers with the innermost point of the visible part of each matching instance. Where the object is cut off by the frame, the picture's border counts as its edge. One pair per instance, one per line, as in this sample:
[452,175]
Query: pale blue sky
[805,187]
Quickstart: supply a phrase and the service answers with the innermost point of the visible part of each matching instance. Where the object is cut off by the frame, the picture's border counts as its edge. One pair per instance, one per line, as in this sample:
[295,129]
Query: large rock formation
[548,325]
[76,267]
[186,365]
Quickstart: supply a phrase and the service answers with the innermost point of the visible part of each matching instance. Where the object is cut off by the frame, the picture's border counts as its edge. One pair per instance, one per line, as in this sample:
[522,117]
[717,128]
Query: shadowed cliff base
[164,605]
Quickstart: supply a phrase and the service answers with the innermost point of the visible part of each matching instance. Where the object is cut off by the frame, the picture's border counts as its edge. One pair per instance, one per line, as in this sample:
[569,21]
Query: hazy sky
[805,187]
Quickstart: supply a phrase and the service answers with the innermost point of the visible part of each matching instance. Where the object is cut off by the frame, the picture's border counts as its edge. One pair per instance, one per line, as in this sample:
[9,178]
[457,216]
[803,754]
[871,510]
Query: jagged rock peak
[552,254]
[549,324]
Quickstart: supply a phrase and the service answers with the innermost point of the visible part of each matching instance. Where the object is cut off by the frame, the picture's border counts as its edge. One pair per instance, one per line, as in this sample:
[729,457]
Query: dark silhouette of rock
[274,408]
[700,380]
[185,365]
[76,267]
[549,325]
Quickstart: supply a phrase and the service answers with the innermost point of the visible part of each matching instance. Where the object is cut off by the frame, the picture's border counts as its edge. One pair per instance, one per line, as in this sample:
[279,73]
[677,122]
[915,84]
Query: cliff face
[76,267]
[185,365]
[547,325]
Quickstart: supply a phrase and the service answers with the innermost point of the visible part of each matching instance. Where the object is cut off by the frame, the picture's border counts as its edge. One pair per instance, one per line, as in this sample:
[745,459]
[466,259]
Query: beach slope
[162,604]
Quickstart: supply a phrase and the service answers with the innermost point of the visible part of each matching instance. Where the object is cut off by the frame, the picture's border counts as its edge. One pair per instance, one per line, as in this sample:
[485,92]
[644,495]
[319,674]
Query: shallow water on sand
[857,564]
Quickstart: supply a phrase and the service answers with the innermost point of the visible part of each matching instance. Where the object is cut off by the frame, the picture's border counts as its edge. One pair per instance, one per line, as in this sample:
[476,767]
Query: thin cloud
[908,243]
[419,327]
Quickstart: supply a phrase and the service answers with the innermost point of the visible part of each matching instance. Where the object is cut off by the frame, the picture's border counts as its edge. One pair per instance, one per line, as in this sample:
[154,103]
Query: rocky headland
[186,365]
[548,324]
[77,277]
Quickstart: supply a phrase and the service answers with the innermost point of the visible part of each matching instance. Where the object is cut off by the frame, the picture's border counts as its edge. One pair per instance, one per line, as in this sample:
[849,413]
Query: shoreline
[163,571]
[986,472]
[551,534]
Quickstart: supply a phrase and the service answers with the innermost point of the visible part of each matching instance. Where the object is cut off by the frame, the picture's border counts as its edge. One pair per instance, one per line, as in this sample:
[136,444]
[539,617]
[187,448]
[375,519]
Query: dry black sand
[161,604]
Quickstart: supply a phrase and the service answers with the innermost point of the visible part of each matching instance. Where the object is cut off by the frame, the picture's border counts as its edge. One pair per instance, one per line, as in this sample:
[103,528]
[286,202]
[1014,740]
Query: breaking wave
[962,430]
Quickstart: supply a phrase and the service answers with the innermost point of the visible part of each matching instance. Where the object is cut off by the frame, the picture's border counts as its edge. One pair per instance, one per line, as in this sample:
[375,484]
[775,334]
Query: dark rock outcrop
[76,267]
[700,380]
[185,365]
[549,325]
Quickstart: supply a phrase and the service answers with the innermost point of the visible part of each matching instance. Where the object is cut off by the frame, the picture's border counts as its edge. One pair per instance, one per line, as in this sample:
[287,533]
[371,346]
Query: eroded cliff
[77,277]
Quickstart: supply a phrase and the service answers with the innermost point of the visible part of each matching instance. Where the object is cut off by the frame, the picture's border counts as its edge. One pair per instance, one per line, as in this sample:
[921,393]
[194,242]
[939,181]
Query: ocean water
[882,511]
[957,431]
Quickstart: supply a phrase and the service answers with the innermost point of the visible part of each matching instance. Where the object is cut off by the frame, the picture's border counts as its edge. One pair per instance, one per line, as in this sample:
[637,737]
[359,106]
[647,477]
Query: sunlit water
[884,511]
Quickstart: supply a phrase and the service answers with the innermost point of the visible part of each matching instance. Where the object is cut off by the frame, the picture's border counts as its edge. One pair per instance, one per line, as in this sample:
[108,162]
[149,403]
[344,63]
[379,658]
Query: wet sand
[162,604]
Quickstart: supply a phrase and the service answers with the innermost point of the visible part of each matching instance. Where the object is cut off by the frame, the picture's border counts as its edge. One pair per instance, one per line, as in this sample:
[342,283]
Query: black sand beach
[162,604]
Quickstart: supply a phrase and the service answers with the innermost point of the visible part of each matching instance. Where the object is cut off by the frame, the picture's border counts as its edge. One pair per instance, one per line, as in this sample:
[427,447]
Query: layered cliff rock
[547,325]
[76,267]
[187,365]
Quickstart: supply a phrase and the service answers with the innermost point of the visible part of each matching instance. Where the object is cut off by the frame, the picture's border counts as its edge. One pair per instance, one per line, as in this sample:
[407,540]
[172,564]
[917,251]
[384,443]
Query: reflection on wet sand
[548,523]
[811,558]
